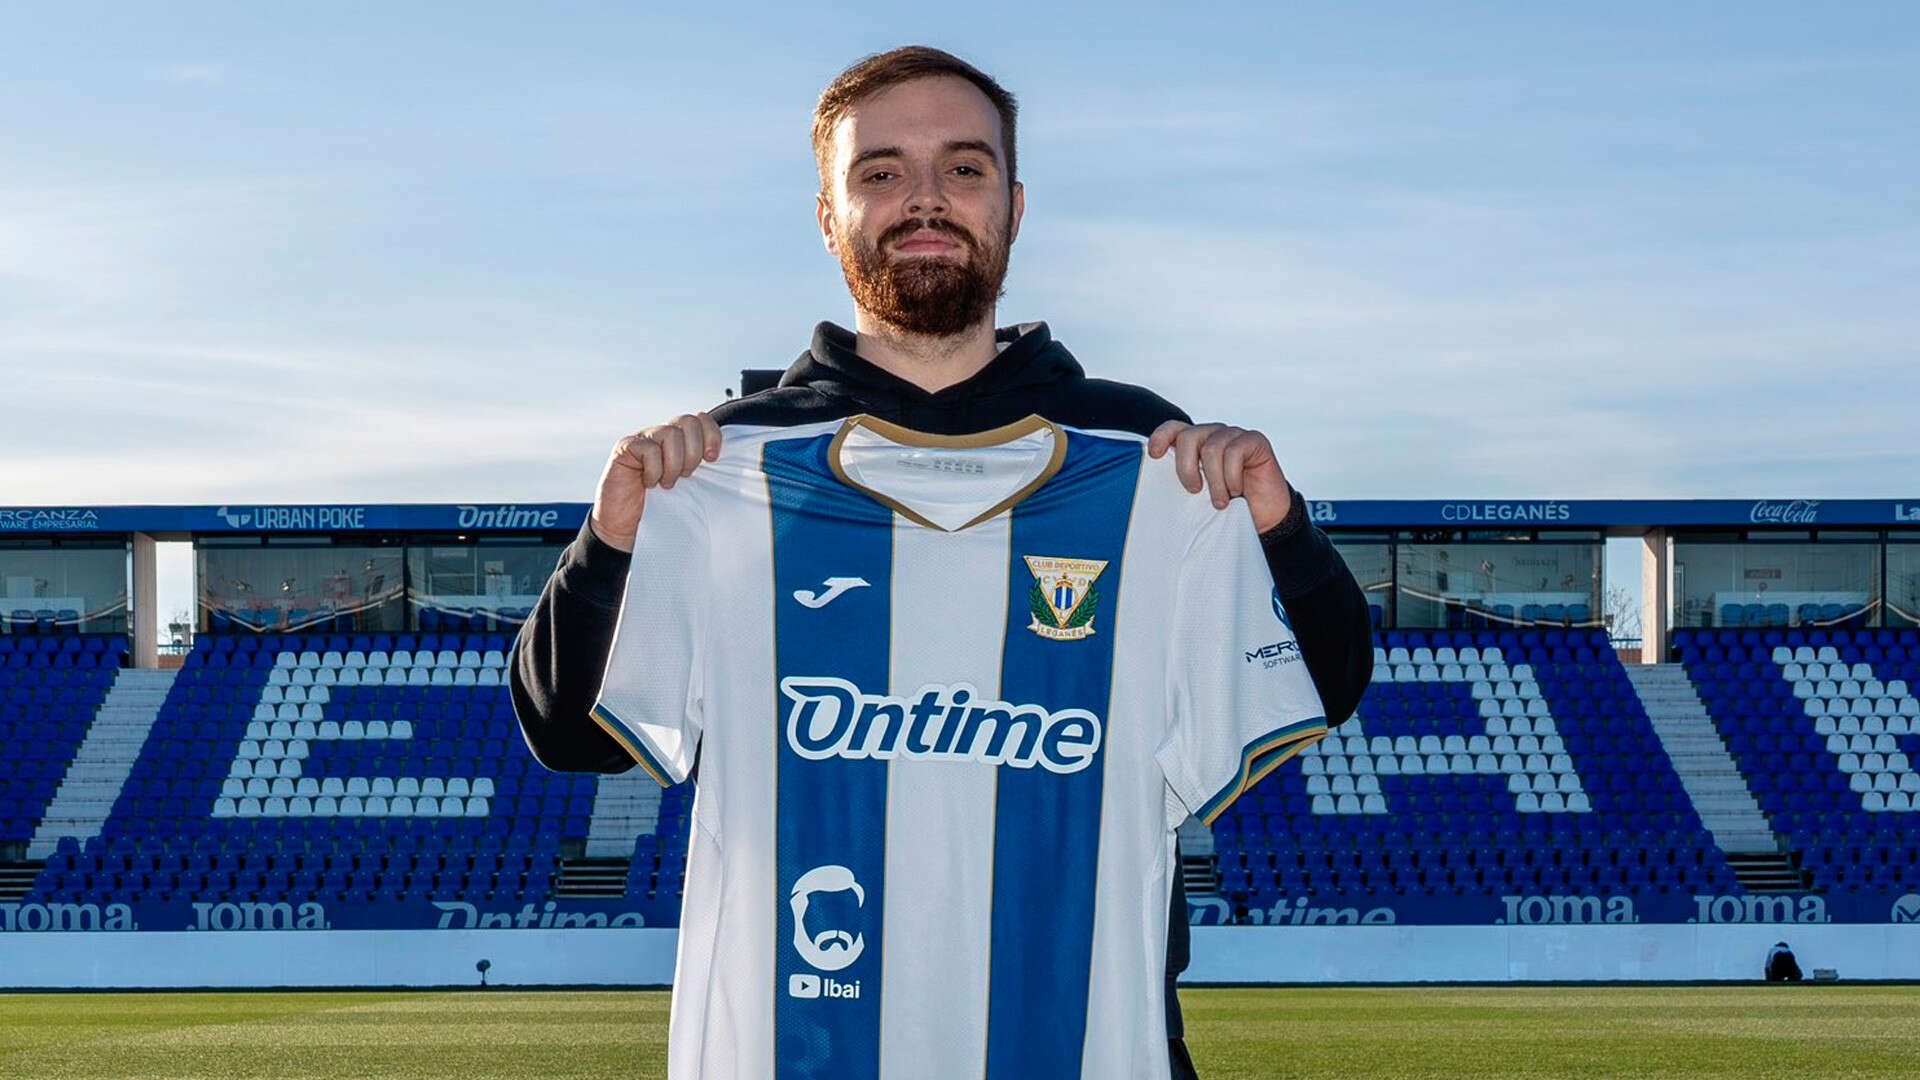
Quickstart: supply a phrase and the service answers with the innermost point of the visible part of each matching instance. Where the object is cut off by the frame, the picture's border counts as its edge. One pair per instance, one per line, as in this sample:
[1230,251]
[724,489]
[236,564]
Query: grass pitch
[1750,1033]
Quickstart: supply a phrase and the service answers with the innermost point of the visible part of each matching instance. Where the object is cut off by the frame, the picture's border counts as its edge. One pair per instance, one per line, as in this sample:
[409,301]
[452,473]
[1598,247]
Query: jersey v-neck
[946,482]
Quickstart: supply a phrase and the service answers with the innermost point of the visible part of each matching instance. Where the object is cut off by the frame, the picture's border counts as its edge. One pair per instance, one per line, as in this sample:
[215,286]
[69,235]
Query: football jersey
[949,698]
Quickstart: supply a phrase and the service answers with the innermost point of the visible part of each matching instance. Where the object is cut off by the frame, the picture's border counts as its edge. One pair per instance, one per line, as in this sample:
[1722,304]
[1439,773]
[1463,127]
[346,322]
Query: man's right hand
[656,456]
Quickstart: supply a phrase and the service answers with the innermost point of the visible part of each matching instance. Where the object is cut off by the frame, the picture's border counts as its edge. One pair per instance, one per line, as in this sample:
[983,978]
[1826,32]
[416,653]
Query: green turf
[1329,1034]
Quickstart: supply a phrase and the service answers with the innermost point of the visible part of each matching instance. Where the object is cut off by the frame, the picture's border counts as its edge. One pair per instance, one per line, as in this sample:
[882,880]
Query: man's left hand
[1233,461]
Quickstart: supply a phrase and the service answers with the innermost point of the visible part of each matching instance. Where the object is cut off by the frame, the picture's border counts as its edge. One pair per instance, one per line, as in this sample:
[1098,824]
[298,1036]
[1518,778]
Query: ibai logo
[832,947]
[832,940]
[809,987]
[1063,600]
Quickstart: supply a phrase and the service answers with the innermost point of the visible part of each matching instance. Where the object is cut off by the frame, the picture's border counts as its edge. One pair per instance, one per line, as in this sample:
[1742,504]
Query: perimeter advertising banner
[1332,514]
[1573,909]
[1595,909]
[18,917]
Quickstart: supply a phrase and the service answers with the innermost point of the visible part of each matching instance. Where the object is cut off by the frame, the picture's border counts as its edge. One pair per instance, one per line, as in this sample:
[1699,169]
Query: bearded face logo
[829,948]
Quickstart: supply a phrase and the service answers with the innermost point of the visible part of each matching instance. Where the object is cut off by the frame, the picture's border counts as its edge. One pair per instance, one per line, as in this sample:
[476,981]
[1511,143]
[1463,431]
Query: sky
[449,252]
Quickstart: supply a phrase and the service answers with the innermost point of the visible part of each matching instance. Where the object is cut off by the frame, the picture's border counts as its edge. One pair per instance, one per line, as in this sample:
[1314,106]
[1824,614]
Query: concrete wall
[1220,954]
[1517,953]
[333,958]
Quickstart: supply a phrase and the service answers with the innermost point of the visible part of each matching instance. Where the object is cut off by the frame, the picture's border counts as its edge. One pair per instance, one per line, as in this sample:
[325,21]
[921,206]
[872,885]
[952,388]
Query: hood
[1029,358]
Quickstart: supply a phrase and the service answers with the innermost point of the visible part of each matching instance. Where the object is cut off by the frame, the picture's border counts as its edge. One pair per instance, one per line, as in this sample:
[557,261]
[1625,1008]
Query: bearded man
[920,203]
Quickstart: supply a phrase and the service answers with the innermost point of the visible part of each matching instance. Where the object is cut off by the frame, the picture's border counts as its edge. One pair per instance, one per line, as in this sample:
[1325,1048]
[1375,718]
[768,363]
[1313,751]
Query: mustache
[940,225]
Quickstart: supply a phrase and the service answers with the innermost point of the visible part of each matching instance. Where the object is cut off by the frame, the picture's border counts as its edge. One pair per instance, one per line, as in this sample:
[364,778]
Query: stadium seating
[387,768]
[50,688]
[1804,616]
[1825,726]
[358,769]
[659,865]
[1481,763]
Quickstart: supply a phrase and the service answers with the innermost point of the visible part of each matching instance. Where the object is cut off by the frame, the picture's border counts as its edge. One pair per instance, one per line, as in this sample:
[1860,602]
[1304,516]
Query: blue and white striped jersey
[949,699]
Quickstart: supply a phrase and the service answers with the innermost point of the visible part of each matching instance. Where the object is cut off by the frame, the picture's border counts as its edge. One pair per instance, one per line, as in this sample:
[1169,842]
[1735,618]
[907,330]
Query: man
[1781,965]
[920,203]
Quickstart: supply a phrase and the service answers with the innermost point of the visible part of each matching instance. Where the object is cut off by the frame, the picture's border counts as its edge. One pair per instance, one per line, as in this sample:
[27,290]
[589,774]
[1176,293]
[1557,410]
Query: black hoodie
[562,650]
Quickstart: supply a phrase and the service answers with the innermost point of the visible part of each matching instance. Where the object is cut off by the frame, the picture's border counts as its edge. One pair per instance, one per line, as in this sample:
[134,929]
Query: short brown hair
[878,72]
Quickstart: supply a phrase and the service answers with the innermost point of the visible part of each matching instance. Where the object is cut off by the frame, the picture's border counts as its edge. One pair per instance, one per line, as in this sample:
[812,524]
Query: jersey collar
[906,436]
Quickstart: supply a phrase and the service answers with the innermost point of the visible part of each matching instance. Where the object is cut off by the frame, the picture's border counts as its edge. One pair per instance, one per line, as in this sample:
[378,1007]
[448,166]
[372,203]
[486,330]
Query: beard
[929,295]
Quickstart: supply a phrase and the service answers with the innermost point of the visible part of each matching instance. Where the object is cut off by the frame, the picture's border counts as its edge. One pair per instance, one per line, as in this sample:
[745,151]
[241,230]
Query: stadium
[327,788]
[931,732]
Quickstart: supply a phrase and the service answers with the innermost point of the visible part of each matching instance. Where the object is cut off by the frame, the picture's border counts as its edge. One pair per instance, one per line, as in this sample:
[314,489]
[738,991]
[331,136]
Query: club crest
[1063,599]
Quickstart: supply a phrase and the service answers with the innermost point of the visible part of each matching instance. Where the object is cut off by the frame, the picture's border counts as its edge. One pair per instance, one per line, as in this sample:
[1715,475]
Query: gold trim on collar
[906,436]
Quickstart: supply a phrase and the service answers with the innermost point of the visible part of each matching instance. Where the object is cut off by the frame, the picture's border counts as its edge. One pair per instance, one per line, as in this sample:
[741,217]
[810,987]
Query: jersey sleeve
[651,696]
[1242,699]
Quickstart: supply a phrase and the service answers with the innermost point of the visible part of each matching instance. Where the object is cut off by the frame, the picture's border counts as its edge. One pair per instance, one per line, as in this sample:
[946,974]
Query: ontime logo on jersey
[831,717]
